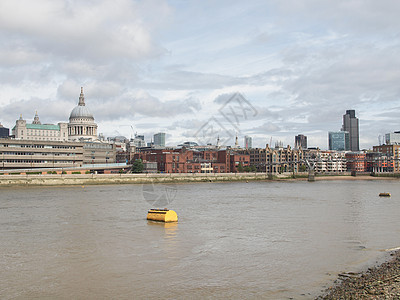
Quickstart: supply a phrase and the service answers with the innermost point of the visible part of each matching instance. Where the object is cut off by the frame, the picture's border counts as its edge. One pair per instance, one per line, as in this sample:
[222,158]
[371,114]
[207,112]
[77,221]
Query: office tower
[339,141]
[392,138]
[350,124]
[159,140]
[300,141]
[248,142]
[4,132]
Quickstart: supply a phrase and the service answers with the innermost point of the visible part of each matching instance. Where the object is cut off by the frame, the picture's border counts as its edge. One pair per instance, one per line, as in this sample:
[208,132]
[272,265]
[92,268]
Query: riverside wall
[98,179]
[93,179]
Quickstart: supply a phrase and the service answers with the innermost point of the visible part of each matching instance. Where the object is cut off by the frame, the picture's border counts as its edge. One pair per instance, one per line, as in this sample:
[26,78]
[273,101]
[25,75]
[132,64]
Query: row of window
[33,153]
[36,161]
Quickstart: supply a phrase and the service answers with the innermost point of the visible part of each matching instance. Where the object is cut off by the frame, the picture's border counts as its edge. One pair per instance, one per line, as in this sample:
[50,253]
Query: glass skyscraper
[350,124]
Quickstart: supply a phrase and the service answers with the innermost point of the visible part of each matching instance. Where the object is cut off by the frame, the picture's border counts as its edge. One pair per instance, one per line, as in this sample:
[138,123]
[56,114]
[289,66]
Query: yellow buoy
[162,215]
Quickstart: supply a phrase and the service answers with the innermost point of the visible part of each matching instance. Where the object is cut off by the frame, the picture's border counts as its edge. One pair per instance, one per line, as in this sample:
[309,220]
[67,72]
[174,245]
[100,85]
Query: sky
[198,70]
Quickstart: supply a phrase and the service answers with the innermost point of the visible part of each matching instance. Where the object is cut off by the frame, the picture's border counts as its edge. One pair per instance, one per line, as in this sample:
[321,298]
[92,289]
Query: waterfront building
[300,141]
[30,154]
[159,140]
[4,132]
[392,138]
[339,140]
[350,124]
[193,161]
[36,131]
[356,161]
[248,142]
[275,160]
[330,162]
[392,154]
[81,126]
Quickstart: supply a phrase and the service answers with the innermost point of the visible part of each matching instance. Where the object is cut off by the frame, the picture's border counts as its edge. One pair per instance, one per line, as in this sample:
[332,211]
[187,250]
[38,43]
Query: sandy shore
[381,282]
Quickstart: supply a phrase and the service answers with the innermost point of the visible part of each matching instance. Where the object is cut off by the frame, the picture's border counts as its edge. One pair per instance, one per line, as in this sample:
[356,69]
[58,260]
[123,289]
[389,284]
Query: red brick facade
[189,161]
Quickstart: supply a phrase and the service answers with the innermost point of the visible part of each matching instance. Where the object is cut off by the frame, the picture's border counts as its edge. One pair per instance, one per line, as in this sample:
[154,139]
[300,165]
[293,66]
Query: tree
[137,166]
[240,167]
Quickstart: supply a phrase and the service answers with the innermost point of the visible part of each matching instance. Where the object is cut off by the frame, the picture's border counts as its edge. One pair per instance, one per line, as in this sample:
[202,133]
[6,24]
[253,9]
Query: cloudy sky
[175,66]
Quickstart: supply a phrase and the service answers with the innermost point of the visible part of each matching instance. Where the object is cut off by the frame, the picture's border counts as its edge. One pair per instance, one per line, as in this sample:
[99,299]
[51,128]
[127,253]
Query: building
[392,138]
[300,141]
[81,126]
[392,154]
[193,161]
[138,141]
[97,152]
[29,154]
[275,160]
[36,131]
[330,162]
[350,124]
[4,132]
[159,140]
[356,162]
[248,142]
[339,141]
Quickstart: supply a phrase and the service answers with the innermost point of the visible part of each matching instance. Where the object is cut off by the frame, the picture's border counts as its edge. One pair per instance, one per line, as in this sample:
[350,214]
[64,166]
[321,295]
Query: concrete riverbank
[96,179]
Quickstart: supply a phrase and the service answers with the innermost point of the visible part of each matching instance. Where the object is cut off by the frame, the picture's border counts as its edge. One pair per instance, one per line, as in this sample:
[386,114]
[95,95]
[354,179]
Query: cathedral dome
[81,111]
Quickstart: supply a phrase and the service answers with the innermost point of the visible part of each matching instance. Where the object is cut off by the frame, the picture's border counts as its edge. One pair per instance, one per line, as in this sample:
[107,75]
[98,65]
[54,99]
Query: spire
[81,98]
[20,117]
[236,142]
[36,119]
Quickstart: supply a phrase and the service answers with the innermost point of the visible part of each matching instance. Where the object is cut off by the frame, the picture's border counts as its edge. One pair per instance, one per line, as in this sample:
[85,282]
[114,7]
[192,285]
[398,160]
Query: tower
[350,124]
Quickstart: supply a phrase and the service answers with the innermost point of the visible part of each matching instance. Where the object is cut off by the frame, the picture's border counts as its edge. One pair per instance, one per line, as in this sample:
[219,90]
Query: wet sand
[380,282]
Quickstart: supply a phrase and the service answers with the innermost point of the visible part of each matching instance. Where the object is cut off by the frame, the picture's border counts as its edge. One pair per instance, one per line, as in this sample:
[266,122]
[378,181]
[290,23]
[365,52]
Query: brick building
[191,161]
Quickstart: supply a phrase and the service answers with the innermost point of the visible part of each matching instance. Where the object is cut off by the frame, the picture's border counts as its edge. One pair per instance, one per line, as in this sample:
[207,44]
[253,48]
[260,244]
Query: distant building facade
[30,154]
[392,138]
[392,153]
[275,160]
[4,132]
[193,161]
[300,141]
[36,131]
[248,142]
[350,124]
[339,140]
[159,140]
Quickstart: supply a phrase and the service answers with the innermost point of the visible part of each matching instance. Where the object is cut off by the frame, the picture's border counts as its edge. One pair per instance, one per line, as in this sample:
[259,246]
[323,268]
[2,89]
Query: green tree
[240,167]
[137,166]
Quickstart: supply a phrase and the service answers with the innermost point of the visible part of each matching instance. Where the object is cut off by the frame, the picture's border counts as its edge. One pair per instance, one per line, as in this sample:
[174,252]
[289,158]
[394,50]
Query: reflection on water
[270,240]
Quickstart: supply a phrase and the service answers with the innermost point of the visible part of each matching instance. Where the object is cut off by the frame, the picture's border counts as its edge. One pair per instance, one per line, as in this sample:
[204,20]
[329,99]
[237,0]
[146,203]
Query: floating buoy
[162,215]
[384,195]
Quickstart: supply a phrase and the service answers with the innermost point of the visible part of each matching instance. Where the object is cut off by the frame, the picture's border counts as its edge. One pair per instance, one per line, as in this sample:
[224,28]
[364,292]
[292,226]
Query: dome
[81,112]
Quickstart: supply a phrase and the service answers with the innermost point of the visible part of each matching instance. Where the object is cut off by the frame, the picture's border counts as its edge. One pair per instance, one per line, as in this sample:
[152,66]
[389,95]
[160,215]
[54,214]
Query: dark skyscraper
[300,141]
[350,124]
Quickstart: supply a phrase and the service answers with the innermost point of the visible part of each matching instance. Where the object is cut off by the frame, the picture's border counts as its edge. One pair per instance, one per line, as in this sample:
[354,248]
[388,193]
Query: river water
[270,240]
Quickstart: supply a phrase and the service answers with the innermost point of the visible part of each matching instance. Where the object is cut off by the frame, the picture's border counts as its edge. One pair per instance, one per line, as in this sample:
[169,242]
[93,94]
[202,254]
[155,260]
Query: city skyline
[169,66]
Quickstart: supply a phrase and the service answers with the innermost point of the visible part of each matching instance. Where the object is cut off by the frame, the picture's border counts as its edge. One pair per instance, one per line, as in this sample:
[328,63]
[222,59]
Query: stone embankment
[91,179]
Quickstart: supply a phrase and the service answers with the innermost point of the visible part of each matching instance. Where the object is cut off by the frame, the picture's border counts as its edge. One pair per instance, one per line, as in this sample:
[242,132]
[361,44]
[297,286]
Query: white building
[331,162]
[36,131]
[392,138]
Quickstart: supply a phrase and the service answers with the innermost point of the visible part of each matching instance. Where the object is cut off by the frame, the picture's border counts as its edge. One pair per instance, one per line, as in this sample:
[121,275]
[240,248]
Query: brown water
[271,240]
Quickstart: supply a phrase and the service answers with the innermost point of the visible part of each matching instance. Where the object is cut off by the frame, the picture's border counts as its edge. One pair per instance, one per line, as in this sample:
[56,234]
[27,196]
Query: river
[270,240]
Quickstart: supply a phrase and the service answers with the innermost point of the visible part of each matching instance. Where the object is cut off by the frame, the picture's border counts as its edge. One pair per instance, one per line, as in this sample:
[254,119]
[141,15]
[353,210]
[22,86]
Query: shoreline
[106,179]
[378,282]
